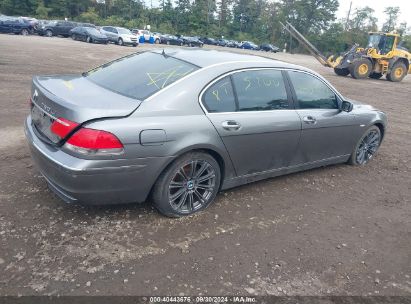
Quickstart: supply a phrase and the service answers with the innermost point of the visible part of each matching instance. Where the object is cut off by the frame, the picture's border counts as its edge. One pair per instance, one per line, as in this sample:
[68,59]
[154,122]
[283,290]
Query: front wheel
[188,185]
[360,68]
[120,42]
[24,32]
[366,147]
[49,33]
[89,39]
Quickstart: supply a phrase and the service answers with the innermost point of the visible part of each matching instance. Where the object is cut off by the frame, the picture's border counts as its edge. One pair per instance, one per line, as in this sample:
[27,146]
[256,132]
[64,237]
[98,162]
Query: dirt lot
[337,230]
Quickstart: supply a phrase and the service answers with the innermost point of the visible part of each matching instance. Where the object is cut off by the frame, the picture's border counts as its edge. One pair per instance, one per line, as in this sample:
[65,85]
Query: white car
[119,35]
[147,34]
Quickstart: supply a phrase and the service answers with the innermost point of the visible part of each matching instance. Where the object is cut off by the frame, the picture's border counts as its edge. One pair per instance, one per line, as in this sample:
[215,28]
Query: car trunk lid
[76,99]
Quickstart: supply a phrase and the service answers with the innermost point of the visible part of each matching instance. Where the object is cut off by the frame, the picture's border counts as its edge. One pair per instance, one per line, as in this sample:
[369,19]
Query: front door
[253,116]
[326,130]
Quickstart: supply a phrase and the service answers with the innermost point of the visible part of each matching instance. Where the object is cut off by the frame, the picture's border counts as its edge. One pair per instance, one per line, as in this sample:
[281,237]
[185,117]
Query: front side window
[140,75]
[220,97]
[312,93]
[261,90]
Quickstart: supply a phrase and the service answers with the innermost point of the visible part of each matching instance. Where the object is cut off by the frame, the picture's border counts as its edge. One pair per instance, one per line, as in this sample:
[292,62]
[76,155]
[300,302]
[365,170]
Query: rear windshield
[140,75]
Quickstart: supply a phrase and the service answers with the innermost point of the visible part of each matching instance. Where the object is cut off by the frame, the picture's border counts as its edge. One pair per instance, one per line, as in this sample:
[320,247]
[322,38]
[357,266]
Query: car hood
[357,105]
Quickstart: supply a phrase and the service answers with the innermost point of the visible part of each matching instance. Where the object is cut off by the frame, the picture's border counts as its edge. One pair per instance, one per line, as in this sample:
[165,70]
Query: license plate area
[42,121]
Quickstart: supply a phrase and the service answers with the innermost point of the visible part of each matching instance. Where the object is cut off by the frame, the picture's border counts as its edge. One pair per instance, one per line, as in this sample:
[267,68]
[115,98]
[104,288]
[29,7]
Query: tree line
[255,20]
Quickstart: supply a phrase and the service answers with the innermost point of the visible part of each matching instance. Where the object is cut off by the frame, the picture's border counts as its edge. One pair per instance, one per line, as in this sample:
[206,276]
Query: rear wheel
[89,39]
[188,185]
[341,71]
[360,68]
[24,32]
[398,72]
[157,41]
[120,42]
[49,33]
[366,147]
[168,42]
[73,37]
[375,75]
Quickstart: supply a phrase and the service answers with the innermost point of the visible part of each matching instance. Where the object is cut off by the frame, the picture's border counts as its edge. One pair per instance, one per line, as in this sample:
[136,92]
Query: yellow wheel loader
[382,56]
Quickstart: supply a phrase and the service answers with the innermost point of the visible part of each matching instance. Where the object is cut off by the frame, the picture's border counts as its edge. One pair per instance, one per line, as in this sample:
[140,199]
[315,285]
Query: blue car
[14,25]
[248,45]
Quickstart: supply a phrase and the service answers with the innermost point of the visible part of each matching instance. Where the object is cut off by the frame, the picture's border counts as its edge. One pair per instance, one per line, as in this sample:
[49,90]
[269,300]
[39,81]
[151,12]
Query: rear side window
[260,90]
[312,93]
[140,75]
[220,97]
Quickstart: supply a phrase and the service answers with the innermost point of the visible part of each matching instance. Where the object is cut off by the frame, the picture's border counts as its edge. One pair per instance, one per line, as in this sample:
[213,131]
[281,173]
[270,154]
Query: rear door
[254,116]
[326,130]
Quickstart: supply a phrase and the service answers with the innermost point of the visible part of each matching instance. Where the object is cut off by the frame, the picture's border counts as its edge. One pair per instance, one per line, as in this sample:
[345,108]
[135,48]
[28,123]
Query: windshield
[382,43]
[123,31]
[140,75]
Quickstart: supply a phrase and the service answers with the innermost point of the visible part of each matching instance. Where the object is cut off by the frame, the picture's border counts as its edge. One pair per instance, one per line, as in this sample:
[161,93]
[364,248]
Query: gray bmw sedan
[180,125]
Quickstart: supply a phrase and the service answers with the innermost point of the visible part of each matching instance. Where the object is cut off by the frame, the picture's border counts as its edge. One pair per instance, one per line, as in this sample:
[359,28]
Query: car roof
[204,58]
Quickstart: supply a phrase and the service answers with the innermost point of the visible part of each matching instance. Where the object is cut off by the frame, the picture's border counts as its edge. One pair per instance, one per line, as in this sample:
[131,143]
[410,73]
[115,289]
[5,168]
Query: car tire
[157,41]
[89,39]
[342,71]
[73,37]
[360,68]
[24,32]
[181,44]
[49,33]
[187,185]
[120,42]
[135,45]
[398,72]
[375,75]
[168,42]
[366,147]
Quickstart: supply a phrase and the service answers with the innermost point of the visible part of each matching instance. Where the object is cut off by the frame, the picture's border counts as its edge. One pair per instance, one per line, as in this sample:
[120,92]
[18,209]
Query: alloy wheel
[192,186]
[368,147]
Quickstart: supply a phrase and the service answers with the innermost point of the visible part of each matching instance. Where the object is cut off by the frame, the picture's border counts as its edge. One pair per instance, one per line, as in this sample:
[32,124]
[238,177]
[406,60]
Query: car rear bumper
[94,182]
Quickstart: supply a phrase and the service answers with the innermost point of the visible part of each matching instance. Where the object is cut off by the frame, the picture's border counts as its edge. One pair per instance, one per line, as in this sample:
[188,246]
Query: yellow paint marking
[68,84]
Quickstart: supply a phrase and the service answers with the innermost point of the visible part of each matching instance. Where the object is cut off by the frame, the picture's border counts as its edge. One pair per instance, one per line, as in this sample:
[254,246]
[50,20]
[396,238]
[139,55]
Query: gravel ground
[339,230]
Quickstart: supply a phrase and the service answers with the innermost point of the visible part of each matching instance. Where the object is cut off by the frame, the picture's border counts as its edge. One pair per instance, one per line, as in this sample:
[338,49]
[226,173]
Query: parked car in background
[221,42]
[119,35]
[269,48]
[241,119]
[14,25]
[248,45]
[33,22]
[171,40]
[88,34]
[192,41]
[57,28]
[208,40]
[147,34]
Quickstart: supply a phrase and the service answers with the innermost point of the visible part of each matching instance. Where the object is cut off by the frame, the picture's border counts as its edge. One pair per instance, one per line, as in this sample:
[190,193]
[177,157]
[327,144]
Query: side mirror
[346,106]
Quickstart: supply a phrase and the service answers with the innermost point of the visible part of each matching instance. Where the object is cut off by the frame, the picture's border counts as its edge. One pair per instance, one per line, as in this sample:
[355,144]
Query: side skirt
[249,178]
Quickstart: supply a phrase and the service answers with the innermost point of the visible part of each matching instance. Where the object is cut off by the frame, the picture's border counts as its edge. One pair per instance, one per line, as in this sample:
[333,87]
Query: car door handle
[309,120]
[231,125]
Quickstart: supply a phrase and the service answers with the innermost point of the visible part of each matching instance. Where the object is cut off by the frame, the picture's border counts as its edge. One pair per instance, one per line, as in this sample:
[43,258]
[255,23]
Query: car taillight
[62,127]
[90,141]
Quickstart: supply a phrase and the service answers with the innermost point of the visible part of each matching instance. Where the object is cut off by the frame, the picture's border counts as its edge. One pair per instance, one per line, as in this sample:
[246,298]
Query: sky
[377,5]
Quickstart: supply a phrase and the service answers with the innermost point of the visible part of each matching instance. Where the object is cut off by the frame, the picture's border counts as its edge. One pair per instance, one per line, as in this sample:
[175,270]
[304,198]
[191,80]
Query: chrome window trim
[200,98]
